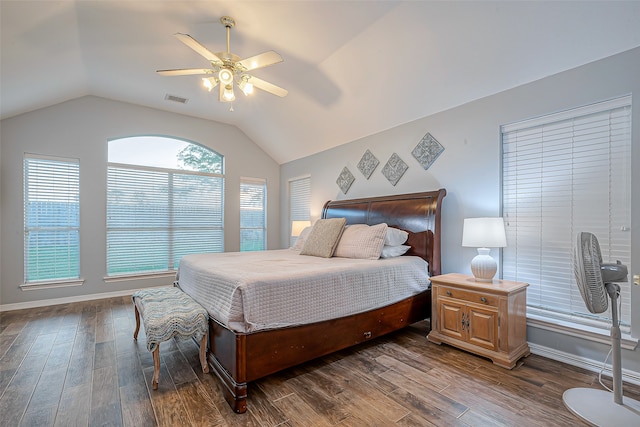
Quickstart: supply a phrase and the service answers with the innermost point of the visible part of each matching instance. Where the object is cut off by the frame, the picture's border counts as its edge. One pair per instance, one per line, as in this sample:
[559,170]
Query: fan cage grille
[587,263]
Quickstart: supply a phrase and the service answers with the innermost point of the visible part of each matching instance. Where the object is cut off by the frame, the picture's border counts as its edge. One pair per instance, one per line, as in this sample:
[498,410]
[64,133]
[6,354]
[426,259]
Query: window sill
[126,277]
[580,331]
[51,284]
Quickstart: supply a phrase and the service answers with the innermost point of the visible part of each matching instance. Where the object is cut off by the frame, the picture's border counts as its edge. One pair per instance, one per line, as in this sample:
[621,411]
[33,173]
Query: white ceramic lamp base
[483,266]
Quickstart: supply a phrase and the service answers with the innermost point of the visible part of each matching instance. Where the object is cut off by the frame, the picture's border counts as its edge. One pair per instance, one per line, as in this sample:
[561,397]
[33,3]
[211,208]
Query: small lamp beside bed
[298,226]
[484,233]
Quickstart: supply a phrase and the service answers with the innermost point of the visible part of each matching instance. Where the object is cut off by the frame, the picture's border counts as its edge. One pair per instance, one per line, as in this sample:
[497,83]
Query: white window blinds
[253,214]
[299,202]
[51,218]
[562,174]
[155,216]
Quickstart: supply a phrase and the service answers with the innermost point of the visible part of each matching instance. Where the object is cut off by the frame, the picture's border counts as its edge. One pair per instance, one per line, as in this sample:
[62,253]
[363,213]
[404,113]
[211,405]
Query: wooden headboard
[417,213]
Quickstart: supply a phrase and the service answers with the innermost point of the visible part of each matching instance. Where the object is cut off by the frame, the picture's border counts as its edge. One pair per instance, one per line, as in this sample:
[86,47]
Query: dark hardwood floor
[78,365]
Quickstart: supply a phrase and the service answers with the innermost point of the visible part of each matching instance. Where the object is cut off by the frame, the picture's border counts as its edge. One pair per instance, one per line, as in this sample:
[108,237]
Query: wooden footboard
[238,359]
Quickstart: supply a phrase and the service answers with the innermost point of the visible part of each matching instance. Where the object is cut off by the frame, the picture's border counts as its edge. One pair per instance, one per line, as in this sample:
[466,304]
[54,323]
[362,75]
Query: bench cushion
[169,312]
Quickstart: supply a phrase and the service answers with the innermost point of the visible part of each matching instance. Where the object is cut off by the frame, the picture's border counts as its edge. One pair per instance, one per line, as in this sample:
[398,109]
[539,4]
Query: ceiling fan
[227,68]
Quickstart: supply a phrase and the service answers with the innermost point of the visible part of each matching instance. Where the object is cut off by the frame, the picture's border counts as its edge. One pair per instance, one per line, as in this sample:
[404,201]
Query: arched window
[165,199]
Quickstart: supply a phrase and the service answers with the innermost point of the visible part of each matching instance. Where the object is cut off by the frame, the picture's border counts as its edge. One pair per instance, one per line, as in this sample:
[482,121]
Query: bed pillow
[394,251]
[395,237]
[362,241]
[301,239]
[324,237]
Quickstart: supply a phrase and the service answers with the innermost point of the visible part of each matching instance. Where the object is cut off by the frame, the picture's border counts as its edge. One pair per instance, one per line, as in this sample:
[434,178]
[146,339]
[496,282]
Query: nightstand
[488,319]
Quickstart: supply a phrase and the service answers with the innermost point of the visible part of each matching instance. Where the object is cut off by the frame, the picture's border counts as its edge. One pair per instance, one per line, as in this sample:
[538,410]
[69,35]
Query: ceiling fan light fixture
[228,69]
[209,83]
[228,94]
[246,87]
[226,76]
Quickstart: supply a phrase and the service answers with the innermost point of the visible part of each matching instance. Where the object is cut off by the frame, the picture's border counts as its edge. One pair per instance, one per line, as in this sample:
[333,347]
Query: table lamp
[484,233]
[298,226]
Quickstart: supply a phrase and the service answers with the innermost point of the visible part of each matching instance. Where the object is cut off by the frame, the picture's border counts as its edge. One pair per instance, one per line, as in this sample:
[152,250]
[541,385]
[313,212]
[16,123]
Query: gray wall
[80,129]
[469,168]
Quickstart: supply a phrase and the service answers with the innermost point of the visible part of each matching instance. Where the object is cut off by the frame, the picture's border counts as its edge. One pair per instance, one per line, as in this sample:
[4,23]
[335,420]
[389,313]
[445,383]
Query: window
[165,199]
[253,214]
[562,174]
[51,219]
[299,202]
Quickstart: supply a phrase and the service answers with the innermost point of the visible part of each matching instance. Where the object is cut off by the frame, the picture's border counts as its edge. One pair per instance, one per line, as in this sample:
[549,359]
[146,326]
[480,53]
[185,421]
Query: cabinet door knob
[448,293]
[483,299]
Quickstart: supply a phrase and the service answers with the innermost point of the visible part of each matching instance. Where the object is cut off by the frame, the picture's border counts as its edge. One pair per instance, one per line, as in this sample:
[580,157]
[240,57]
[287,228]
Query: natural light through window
[253,214]
[51,219]
[164,152]
[165,199]
[565,173]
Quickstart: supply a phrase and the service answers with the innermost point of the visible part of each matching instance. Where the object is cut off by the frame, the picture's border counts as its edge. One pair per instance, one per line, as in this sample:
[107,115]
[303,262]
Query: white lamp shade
[484,233]
[298,226]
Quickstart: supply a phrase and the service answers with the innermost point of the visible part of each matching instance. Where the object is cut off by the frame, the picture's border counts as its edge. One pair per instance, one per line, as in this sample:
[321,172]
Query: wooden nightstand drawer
[468,296]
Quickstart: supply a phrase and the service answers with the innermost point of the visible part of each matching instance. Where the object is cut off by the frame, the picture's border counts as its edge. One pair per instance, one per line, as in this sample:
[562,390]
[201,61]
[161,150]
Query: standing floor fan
[595,280]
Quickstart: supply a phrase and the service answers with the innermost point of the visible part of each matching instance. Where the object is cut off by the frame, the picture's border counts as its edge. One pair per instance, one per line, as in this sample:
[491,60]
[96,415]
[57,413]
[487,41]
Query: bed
[241,353]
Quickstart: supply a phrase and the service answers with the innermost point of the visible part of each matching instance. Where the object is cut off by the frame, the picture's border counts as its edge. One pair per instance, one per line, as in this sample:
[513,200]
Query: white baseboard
[632,377]
[56,301]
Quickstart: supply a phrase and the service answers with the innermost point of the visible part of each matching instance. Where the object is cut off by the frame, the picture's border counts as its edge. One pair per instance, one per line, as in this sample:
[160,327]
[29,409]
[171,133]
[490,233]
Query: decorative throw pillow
[301,239]
[393,251]
[361,241]
[323,238]
[395,237]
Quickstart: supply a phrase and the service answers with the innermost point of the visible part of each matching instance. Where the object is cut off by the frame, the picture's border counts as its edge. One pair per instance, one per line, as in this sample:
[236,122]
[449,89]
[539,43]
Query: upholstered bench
[166,313]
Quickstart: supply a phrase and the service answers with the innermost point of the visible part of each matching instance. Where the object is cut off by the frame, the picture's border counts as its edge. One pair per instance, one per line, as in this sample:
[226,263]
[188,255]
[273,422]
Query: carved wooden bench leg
[203,354]
[135,334]
[156,367]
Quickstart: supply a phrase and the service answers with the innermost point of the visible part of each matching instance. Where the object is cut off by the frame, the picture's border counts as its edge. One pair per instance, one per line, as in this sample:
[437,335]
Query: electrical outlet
[636,279]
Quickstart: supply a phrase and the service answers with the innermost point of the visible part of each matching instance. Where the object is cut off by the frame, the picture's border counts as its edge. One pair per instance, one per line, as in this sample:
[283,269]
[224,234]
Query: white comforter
[252,291]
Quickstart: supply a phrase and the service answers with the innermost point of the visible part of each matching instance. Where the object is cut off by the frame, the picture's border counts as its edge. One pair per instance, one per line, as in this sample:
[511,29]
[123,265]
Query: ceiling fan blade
[185,71]
[262,60]
[195,45]
[268,87]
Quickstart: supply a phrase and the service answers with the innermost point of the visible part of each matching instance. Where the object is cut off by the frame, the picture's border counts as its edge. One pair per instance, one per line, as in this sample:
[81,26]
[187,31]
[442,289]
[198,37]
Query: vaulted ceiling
[352,68]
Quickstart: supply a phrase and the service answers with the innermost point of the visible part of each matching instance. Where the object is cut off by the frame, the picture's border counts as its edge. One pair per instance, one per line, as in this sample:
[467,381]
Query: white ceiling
[352,68]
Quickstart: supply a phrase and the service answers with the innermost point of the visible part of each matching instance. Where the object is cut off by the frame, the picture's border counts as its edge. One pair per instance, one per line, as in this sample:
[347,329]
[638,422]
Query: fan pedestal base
[597,408]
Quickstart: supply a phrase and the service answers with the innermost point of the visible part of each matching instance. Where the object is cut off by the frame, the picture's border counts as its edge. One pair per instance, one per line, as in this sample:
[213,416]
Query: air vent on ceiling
[175,99]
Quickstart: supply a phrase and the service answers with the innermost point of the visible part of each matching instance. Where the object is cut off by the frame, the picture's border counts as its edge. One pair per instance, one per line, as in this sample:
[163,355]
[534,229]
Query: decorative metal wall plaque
[368,164]
[345,180]
[427,151]
[394,169]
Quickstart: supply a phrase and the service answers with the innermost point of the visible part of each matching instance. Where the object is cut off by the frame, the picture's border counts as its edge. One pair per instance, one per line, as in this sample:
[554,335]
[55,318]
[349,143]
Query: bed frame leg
[234,393]
[238,404]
